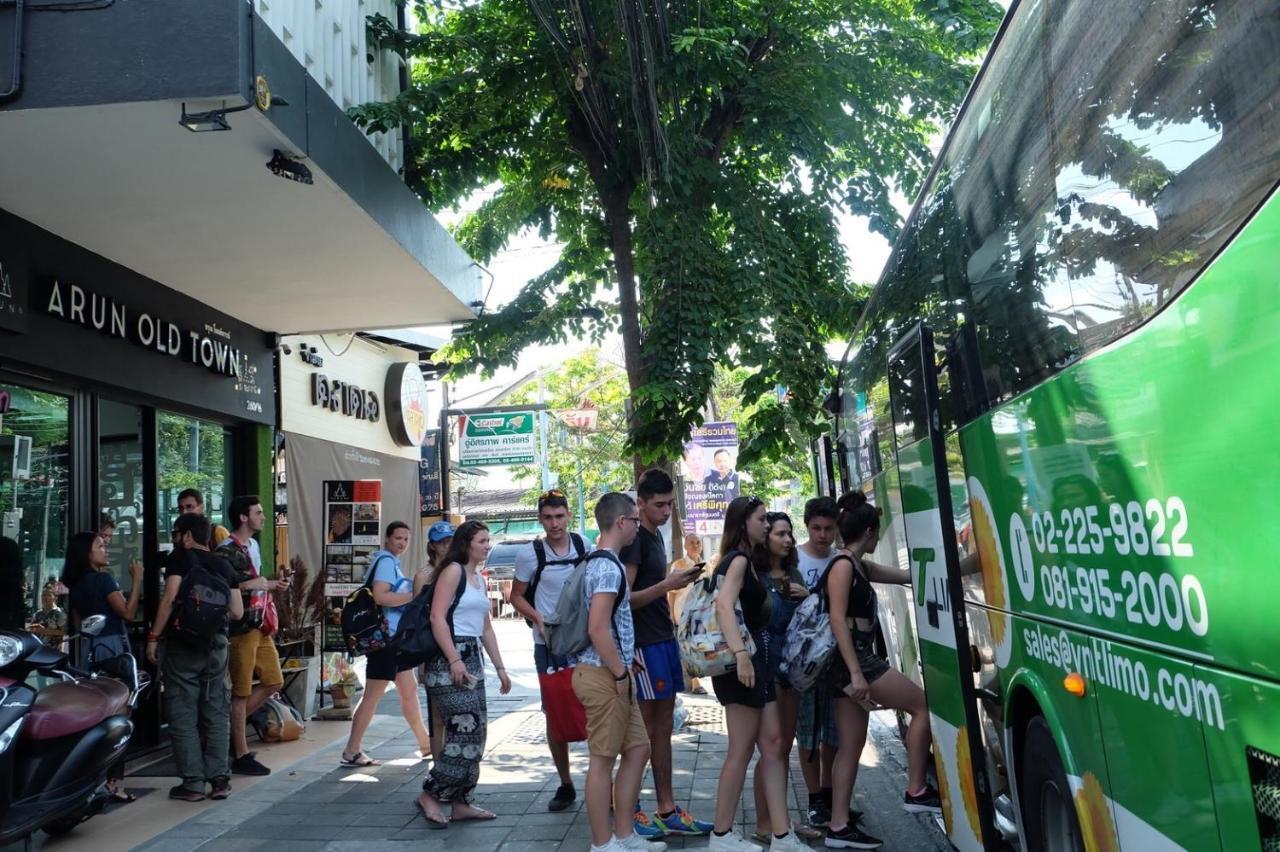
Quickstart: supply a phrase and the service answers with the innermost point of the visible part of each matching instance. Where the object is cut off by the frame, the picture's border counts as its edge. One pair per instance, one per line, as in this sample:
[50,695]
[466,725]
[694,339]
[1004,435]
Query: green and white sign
[498,439]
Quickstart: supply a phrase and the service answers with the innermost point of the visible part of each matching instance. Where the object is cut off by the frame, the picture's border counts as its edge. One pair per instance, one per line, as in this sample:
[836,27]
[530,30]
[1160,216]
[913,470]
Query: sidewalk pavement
[317,806]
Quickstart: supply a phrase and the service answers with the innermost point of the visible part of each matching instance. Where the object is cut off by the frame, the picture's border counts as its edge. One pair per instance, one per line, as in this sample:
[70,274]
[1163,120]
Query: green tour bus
[1064,394]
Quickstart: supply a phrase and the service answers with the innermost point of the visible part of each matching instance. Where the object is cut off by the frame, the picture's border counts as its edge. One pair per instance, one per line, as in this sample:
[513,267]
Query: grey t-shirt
[547,595]
[811,567]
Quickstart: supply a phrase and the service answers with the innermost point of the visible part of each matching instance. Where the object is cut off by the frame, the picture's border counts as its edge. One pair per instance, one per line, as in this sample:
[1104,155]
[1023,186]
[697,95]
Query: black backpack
[540,551]
[415,643]
[364,627]
[202,608]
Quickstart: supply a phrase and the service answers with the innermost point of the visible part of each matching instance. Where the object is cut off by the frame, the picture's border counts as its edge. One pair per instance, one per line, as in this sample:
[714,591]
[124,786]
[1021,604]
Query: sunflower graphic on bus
[995,585]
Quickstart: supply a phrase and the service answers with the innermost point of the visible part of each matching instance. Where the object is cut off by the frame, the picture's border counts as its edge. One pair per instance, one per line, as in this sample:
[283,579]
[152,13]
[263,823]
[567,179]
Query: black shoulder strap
[373,570]
[822,581]
[540,551]
[579,545]
[457,595]
[723,567]
[622,583]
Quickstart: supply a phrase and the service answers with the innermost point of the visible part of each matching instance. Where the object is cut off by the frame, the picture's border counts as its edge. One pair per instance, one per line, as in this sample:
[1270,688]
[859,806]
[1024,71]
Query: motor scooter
[57,741]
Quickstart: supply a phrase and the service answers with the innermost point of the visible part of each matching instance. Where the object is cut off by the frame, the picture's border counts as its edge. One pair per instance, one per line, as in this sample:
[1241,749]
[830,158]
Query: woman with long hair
[455,678]
[748,693]
[439,537]
[777,564]
[93,590]
[860,678]
[392,590]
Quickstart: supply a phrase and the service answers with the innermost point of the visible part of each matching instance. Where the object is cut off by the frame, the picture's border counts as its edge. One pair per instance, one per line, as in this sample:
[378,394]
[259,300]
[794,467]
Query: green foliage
[598,456]
[691,158]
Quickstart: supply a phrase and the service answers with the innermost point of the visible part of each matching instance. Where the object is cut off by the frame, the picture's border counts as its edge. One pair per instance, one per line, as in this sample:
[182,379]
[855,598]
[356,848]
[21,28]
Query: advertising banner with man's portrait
[710,476]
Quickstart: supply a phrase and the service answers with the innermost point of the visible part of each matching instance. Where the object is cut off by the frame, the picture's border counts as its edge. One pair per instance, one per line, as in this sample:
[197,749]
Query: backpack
[703,648]
[277,722]
[566,629]
[364,627]
[811,643]
[540,551]
[242,567]
[202,609]
[415,643]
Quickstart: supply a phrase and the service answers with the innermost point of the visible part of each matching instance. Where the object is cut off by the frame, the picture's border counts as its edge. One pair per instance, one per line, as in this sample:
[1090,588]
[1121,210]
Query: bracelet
[499,669]
[740,651]
[151,637]
[459,660]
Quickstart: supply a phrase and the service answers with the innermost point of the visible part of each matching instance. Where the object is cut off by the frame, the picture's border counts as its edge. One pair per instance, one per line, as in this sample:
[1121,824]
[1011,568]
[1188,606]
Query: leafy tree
[690,156]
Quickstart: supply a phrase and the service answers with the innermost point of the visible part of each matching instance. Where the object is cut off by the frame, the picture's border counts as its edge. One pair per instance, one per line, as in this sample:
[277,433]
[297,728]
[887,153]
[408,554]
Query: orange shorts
[252,652]
[614,724]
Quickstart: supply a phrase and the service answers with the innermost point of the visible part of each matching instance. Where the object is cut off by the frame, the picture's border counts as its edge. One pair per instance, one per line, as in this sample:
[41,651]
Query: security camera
[286,349]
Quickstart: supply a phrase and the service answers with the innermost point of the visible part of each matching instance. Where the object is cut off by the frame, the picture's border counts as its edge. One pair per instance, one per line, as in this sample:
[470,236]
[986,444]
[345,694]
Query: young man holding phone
[661,673]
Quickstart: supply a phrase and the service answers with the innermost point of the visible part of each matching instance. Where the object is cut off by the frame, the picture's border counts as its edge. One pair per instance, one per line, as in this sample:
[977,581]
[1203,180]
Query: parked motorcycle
[57,742]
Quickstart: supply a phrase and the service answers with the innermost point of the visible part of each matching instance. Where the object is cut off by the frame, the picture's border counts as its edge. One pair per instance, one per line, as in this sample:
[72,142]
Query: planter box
[302,679]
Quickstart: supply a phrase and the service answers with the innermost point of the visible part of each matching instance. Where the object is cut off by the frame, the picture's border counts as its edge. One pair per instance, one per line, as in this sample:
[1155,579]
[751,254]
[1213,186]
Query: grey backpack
[811,644]
[566,629]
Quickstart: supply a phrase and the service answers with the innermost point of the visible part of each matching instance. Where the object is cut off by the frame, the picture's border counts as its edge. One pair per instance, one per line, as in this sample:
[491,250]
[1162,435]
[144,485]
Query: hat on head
[440,530]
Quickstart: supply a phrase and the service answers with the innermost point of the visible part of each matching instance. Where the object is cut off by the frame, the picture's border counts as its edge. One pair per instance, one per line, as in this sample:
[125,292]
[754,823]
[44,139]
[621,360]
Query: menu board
[353,533]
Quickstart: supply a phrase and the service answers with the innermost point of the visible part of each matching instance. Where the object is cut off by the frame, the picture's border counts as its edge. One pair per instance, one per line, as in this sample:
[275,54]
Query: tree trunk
[618,217]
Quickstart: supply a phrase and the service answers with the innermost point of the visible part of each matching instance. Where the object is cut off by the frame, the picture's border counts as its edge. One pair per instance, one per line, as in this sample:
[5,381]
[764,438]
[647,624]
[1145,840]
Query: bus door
[941,629]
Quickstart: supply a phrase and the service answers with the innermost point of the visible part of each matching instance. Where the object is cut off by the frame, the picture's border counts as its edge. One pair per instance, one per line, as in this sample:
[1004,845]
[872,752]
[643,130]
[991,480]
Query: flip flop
[122,797]
[359,759]
[481,815]
[432,823]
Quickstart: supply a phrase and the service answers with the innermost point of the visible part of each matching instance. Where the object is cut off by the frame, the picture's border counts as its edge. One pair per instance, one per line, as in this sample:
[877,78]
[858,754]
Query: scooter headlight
[10,650]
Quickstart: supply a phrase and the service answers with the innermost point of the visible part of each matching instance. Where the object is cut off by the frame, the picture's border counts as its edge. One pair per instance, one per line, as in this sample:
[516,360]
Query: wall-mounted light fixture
[286,167]
[205,122]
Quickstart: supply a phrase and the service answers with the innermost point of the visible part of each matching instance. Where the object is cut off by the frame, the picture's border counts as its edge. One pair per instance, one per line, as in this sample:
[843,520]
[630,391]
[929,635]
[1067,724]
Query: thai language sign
[710,476]
[501,438]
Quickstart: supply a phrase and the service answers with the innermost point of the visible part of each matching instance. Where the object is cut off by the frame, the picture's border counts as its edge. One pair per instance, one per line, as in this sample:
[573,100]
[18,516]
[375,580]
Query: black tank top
[862,599]
[754,597]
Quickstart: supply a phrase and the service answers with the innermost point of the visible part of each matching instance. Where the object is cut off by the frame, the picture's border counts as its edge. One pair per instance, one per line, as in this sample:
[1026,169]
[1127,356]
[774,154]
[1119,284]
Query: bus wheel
[1049,815]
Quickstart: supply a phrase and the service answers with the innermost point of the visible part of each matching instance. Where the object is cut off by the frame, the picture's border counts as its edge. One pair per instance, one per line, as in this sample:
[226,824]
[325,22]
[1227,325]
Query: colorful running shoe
[682,822]
[646,827]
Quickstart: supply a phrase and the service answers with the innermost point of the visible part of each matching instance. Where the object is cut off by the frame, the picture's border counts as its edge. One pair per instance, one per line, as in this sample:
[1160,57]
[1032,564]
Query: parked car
[501,564]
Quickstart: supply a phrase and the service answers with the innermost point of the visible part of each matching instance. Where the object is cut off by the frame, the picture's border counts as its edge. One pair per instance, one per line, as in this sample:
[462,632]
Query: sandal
[121,796]
[434,823]
[358,759]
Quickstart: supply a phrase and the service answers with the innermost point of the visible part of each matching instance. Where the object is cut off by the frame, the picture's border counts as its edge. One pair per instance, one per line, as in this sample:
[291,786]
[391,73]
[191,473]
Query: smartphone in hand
[470,681]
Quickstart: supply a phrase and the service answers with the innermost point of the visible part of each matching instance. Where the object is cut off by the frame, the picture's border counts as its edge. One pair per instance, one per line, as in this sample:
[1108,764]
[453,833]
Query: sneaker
[789,843]
[248,765]
[183,793]
[819,814]
[636,842]
[850,837]
[645,827]
[221,787]
[731,842]
[682,822]
[564,797]
[928,802]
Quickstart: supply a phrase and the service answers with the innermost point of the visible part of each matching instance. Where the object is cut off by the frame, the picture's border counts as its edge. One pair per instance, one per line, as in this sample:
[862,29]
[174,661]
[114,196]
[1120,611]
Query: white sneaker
[732,842]
[634,841]
[790,843]
[612,845]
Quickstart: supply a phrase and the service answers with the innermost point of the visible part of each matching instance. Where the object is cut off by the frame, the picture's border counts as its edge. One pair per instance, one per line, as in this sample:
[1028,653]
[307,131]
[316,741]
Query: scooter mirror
[92,626]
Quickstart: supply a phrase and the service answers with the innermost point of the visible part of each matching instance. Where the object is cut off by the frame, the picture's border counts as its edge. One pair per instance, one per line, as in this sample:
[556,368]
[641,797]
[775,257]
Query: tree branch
[719,126]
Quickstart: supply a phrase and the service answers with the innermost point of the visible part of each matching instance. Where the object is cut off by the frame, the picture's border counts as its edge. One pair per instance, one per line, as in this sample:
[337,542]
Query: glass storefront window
[35,478]
[197,454]
[121,484]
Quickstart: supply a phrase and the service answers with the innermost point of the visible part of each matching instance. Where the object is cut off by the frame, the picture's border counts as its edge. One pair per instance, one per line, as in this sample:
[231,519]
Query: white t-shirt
[553,579]
[811,567]
[473,606]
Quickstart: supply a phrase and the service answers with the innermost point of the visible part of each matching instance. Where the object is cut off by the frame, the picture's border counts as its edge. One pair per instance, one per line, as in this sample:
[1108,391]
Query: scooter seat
[68,708]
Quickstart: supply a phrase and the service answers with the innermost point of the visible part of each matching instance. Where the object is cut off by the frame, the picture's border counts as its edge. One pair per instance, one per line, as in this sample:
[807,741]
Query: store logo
[338,396]
[407,404]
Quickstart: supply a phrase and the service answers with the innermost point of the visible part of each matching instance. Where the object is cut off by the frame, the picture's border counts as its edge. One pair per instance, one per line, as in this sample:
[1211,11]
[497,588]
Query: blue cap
[440,530]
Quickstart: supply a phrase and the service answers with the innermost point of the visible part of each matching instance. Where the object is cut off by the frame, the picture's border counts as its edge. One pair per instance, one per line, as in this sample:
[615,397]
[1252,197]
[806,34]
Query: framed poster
[352,534]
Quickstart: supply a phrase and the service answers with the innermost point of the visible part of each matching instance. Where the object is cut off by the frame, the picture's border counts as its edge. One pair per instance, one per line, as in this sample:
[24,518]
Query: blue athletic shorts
[663,674]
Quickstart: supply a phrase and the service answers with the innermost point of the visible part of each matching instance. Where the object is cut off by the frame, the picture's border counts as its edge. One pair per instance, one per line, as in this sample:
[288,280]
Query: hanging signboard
[353,531]
[429,489]
[501,438]
[710,476]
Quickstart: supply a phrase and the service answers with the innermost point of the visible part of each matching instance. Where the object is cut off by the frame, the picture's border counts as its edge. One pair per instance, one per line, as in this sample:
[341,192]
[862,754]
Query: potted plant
[343,681]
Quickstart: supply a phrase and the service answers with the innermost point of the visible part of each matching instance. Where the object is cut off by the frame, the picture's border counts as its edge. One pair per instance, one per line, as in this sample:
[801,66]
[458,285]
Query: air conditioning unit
[15,455]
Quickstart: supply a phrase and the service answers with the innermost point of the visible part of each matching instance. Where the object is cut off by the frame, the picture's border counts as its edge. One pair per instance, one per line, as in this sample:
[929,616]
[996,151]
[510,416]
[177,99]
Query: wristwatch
[620,678]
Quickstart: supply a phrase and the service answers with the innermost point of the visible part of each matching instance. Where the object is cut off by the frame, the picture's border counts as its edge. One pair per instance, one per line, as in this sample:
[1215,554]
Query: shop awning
[94,152]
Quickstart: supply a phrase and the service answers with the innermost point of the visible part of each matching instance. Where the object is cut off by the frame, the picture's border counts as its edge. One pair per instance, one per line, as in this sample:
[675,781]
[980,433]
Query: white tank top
[473,606]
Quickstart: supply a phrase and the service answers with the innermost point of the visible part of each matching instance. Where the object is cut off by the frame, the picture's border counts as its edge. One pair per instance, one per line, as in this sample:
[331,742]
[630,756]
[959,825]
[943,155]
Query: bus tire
[1049,816]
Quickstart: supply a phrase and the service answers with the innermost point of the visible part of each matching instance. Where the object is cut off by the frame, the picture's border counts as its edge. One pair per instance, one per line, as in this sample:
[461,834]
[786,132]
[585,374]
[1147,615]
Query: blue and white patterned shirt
[603,576]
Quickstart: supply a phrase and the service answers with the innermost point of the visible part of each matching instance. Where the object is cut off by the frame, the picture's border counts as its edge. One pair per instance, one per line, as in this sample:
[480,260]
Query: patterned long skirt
[465,717]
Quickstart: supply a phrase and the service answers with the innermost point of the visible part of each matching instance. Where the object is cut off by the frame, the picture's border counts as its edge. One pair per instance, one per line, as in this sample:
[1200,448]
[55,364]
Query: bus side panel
[1039,657]
[1241,720]
[1154,744]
